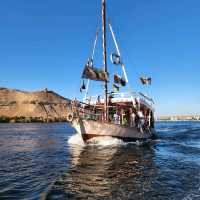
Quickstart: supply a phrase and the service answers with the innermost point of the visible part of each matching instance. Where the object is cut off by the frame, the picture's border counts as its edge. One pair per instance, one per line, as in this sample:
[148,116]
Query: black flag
[145,80]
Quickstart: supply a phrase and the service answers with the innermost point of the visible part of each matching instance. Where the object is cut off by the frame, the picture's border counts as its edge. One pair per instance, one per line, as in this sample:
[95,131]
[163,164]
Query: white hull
[89,129]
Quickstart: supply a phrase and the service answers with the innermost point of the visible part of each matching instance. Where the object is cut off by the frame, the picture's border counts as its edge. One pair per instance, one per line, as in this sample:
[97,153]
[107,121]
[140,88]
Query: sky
[45,44]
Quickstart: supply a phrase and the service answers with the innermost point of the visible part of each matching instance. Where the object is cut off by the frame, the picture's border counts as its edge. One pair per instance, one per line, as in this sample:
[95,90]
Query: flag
[119,80]
[82,87]
[115,59]
[115,88]
[123,82]
[145,80]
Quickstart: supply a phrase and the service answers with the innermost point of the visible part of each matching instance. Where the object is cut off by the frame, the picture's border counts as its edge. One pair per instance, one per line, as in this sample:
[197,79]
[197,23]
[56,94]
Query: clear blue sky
[46,43]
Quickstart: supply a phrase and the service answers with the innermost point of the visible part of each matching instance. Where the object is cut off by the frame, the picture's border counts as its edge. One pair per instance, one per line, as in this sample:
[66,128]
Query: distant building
[173,118]
[178,118]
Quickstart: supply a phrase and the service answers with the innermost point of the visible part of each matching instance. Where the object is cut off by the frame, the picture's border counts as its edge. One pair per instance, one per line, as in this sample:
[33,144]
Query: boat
[126,115]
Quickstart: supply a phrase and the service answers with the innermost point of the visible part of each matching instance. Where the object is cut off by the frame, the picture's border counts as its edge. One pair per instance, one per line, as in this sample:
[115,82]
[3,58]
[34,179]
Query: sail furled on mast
[92,73]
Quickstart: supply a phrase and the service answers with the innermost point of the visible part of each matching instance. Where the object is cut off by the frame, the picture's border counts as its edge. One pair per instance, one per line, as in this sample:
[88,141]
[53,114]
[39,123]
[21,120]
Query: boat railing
[86,111]
[92,100]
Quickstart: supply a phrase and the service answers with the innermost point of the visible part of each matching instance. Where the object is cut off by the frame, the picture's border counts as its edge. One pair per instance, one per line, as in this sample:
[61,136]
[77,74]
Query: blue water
[38,162]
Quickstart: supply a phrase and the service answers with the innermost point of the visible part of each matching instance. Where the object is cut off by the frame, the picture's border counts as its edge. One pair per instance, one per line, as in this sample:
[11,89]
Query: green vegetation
[4,119]
[22,119]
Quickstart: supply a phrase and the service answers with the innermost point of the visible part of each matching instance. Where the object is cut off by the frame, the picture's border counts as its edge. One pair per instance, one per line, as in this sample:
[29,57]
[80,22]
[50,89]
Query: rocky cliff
[30,106]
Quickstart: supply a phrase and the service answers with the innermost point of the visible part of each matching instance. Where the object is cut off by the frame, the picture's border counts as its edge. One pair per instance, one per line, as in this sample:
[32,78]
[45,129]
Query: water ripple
[44,161]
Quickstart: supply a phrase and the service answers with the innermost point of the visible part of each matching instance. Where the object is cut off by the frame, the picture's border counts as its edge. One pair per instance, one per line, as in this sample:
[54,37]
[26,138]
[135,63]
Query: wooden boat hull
[90,129]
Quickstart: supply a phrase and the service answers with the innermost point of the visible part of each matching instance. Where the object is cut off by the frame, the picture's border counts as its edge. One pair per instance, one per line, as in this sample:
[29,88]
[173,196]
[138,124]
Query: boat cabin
[133,110]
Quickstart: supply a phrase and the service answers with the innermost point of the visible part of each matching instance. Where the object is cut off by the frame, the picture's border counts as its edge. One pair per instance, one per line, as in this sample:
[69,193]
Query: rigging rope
[122,65]
[92,57]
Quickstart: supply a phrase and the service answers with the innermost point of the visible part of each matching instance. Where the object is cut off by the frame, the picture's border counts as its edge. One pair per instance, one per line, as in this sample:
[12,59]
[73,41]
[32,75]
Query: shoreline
[184,120]
[22,119]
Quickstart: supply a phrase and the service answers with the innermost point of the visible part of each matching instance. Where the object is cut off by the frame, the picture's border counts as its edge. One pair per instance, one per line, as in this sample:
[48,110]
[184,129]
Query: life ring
[70,117]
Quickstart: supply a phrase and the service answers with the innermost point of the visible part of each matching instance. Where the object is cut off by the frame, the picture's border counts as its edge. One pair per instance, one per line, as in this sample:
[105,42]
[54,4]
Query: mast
[105,58]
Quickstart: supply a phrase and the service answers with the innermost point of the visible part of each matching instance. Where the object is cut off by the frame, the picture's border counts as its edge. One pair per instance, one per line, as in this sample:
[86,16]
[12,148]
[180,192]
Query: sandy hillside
[44,104]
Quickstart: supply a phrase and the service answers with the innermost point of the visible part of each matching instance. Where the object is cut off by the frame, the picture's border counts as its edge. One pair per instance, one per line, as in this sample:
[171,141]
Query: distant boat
[128,116]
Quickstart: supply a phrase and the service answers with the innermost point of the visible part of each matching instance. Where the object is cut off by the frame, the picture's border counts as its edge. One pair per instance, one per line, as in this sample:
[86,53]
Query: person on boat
[124,119]
[137,104]
[141,121]
[116,118]
[98,99]
[151,120]
[146,116]
[132,118]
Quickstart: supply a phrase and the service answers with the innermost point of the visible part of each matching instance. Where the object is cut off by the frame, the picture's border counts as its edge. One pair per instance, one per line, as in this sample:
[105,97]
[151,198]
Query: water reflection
[106,172]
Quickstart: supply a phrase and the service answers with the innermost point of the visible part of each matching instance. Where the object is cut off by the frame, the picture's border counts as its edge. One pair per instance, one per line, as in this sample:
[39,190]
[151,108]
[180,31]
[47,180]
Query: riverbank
[40,106]
[21,119]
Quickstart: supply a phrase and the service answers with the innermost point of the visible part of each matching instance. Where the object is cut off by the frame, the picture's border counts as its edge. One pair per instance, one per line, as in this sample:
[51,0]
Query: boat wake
[105,141]
[76,139]
[99,141]
[165,129]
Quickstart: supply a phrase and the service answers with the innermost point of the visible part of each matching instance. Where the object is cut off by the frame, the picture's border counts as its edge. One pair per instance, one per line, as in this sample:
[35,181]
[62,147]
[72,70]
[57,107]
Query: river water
[46,161]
